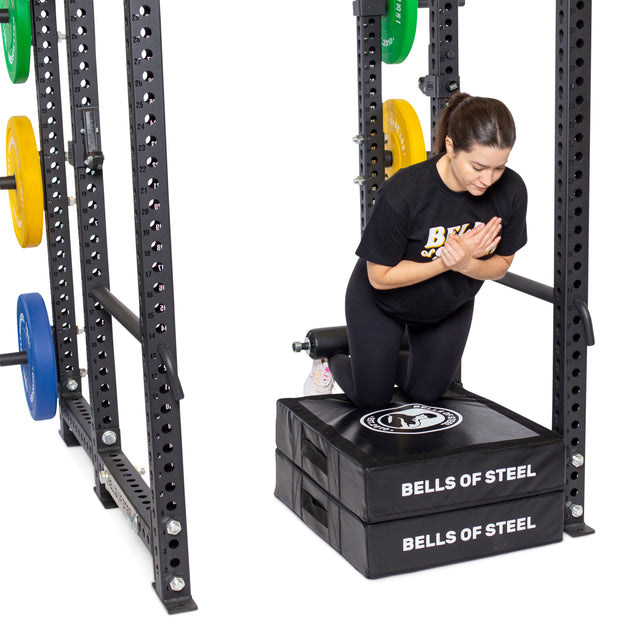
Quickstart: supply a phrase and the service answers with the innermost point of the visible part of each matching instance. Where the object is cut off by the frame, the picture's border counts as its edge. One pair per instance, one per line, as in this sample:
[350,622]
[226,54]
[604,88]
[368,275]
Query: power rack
[573,328]
[156,512]
[343,480]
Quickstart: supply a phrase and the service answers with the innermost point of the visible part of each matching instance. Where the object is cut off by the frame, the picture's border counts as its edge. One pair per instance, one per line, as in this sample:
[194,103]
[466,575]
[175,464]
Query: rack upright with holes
[330,469]
[156,512]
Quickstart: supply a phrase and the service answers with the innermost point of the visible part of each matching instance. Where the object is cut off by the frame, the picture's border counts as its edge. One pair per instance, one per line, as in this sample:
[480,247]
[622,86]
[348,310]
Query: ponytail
[470,121]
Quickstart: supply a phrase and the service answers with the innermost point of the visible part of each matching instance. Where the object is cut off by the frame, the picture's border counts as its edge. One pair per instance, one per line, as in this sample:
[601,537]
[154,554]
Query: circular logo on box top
[411,418]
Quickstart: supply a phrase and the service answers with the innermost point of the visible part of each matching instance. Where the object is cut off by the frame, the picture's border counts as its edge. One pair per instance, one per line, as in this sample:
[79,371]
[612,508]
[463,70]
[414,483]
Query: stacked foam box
[415,486]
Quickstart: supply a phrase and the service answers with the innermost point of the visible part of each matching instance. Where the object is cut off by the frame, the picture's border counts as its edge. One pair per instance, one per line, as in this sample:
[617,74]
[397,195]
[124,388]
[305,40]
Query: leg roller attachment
[324,343]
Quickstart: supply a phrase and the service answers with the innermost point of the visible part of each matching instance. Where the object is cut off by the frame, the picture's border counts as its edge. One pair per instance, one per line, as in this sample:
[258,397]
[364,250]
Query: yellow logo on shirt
[438,236]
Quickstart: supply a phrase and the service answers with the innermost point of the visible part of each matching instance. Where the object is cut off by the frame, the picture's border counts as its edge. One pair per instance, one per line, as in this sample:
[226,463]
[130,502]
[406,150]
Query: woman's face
[476,170]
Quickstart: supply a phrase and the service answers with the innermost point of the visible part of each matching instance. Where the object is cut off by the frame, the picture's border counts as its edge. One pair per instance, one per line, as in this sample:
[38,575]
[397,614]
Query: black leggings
[376,362]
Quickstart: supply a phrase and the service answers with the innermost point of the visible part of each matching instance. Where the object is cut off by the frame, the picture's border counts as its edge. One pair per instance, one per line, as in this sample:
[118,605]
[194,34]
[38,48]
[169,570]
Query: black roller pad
[414,459]
[420,542]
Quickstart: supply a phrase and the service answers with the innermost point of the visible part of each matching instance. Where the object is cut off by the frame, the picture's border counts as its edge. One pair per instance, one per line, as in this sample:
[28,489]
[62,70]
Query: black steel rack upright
[157,512]
[573,330]
[371,135]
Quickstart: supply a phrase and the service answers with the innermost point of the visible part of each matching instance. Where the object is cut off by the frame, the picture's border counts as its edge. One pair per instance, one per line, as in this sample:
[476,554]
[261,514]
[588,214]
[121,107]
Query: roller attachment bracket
[438,86]
[87,153]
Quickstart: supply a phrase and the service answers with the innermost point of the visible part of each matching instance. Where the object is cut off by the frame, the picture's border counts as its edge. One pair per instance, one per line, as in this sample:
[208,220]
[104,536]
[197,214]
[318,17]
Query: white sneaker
[320,381]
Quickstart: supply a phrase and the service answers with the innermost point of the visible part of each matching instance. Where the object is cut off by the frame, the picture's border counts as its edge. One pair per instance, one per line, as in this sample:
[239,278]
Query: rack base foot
[178,605]
[67,437]
[578,530]
[105,498]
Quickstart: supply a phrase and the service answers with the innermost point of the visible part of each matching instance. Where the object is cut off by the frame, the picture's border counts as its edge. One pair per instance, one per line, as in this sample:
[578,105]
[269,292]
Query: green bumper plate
[16,39]
[398,30]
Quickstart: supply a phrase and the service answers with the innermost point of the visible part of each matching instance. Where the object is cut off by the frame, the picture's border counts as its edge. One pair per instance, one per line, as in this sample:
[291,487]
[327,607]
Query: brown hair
[470,121]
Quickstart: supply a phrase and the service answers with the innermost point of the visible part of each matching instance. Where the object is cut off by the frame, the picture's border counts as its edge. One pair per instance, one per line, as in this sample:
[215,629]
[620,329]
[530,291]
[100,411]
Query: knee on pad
[370,401]
[427,395]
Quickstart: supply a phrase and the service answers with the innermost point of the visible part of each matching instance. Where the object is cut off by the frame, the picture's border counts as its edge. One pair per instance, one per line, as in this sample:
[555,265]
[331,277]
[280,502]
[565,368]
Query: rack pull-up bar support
[545,292]
[130,321]
[118,311]
[530,287]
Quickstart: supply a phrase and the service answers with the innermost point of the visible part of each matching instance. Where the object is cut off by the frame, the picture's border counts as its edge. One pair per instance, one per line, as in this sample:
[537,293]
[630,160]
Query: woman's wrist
[492,268]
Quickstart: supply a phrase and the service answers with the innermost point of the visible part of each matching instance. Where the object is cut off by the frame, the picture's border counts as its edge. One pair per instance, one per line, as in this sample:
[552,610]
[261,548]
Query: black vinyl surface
[480,424]
[412,459]
[420,542]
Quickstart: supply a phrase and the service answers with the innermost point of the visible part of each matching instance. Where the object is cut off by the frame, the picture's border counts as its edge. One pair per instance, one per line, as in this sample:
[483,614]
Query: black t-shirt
[412,216]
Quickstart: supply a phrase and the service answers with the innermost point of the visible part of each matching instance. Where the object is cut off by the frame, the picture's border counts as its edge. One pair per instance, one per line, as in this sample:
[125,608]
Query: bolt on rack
[573,328]
[157,512]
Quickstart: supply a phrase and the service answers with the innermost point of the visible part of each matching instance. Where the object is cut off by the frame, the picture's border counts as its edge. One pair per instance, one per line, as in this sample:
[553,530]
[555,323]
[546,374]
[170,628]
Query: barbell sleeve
[12,359]
[8,183]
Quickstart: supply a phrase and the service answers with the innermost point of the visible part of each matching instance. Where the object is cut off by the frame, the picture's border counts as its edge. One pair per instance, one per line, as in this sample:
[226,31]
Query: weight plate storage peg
[39,374]
[24,182]
[398,30]
[15,19]
[404,140]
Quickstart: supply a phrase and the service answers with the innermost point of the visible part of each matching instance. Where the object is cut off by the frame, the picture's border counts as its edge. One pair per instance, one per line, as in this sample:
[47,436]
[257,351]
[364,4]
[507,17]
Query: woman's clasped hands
[461,250]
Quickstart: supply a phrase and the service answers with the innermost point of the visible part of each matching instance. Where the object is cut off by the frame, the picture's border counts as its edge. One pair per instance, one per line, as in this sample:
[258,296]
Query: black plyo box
[465,451]
[420,542]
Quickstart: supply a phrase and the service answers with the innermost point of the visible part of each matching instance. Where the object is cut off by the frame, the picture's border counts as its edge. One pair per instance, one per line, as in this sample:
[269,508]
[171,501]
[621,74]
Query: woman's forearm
[404,274]
[407,272]
[493,268]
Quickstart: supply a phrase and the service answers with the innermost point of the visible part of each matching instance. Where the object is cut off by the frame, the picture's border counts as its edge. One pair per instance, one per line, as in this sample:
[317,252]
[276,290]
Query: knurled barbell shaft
[12,359]
[8,183]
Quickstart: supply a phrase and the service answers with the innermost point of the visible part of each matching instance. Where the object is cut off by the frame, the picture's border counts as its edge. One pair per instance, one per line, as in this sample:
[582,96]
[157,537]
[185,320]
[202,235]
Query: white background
[261,104]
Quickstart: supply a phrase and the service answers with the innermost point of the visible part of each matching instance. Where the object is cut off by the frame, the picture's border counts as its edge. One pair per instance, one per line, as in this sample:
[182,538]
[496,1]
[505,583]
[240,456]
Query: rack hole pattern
[573,59]
[47,68]
[144,62]
[370,113]
[129,476]
[443,52]
[83,87]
